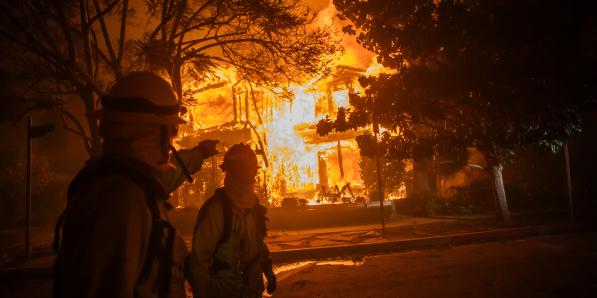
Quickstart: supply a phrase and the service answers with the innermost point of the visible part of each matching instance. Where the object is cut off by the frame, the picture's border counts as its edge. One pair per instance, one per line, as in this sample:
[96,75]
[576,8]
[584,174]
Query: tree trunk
[95,140]
[87,92]
[569,182]
[496,204]
[176,77]
[500,192]
[340,163]
[234,108]
[421,187]
[247,117]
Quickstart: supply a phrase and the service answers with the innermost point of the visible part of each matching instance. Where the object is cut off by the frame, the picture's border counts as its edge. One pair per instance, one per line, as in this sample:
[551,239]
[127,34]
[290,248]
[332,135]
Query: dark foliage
[394,175]
[496,75]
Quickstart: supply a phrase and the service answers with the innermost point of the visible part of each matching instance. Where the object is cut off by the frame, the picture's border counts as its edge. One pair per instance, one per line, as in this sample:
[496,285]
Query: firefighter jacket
[111,231]
[228,254]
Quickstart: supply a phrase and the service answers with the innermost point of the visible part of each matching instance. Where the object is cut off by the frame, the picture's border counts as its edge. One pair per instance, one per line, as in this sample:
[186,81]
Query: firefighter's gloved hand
[207,148]
[271,281]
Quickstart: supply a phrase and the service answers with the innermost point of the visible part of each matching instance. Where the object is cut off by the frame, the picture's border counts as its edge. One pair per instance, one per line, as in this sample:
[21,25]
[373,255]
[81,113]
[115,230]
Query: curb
[340,251]
[318,253]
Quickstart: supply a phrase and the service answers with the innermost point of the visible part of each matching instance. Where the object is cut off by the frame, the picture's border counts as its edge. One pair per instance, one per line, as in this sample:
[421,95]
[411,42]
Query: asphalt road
[549,266]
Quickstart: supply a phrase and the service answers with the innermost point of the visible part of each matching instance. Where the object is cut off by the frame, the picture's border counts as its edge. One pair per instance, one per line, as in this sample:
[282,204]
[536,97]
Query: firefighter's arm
[268,269]
[192,160]
[117,243]
[207,233]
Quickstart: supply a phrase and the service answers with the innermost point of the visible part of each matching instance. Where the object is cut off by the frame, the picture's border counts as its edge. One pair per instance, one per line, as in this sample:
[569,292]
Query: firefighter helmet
[241,161]
[141,97]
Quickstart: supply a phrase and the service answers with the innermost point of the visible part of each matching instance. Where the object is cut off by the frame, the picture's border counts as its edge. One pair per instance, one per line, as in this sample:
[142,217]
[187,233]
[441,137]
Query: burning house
[279,123]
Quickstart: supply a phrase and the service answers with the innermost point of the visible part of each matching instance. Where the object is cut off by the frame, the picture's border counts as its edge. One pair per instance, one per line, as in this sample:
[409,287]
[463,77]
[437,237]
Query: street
[549,266]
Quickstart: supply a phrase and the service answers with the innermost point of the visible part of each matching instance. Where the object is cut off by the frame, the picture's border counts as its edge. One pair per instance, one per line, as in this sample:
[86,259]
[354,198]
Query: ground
[549,266]
[11,241]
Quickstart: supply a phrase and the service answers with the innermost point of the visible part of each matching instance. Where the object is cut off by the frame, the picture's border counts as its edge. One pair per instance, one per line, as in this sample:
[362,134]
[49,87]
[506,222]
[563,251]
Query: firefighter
[229,256]
[114,238]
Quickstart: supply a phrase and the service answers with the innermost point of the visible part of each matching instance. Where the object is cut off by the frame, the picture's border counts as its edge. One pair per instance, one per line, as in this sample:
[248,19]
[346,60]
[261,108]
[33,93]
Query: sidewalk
[401,234]
[396,229]
[12,242]
[393,245]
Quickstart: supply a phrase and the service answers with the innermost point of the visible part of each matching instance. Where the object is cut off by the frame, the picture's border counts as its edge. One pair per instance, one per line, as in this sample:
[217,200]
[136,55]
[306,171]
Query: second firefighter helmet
[240,161]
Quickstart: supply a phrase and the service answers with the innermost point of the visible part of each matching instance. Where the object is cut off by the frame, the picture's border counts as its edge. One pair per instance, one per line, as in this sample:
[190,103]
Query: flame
[293,162]
[341,98]
[376,68]
[211,104]
[294,168]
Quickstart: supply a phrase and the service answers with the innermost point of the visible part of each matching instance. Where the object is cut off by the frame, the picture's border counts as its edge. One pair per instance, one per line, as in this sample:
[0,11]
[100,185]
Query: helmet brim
[138,118]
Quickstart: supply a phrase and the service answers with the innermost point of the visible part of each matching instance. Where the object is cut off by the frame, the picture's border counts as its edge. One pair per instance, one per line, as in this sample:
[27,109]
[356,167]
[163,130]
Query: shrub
[290,203]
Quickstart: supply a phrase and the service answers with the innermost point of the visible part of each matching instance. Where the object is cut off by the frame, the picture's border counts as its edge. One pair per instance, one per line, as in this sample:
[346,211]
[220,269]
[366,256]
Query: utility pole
[32,132]
[379,180]
[28,191]
[569,182]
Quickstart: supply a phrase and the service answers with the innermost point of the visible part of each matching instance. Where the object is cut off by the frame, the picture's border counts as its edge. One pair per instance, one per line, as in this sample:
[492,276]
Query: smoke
[354,54]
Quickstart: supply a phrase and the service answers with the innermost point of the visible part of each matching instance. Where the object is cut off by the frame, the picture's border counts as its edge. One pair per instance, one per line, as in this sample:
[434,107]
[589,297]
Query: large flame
[294,164]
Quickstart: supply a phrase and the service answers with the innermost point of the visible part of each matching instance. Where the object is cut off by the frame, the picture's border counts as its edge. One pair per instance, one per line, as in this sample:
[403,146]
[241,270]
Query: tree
[68,51]
[394,175]
[64,50]
[495,75]
[267,41]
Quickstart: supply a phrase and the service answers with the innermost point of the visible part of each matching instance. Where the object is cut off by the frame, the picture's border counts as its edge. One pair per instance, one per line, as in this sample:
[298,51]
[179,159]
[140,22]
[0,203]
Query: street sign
[39,131]
[33,132]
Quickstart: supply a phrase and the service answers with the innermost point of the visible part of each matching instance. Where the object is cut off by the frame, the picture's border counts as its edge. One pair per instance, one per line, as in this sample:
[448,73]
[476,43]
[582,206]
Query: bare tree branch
[121,40]
[191,43]
[255,103]
[102,13]
[107,41]
[87,141]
